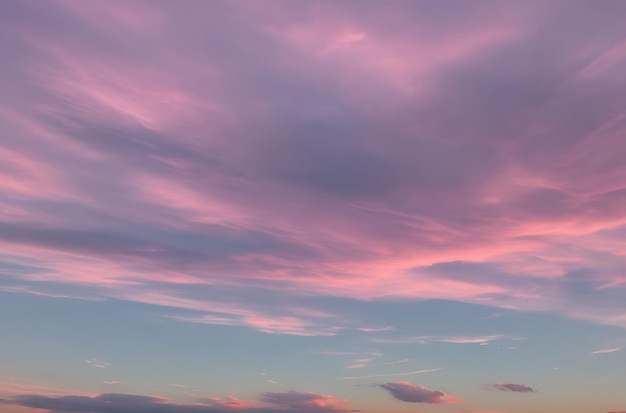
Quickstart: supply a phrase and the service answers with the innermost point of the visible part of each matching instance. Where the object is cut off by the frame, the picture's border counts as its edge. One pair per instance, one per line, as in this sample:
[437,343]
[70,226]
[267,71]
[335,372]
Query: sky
[254,206]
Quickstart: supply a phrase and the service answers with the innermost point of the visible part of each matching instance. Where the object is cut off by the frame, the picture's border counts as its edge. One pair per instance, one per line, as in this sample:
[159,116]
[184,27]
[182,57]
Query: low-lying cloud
[286,402]
[519,388]
[413,393]
[303,401]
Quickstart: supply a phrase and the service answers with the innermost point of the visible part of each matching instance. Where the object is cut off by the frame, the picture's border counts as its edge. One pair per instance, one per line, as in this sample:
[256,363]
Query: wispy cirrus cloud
[346,353]
[374,329]
[607,350]
[408,373]
[367,362]
[441,339]
[127,177]
[94,362]
[360,363]
[389,363]
[17,387]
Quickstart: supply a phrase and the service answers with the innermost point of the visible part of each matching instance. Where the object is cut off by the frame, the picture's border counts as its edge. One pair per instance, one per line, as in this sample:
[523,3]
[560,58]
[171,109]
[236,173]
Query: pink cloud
[607,350]
[307,400]
[373,156]
[15,387]
[360,363]
[230,402]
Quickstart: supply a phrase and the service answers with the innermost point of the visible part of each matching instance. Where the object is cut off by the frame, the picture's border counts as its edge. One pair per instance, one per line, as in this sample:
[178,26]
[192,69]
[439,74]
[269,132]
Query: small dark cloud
[519,388]
[413,393]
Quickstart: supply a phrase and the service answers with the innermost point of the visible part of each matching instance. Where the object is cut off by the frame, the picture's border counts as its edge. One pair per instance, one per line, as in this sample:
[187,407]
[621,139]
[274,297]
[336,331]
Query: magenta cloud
[311,150]
[413,393]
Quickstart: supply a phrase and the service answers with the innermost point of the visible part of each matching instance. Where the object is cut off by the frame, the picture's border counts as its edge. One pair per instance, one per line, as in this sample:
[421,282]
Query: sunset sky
[295,206]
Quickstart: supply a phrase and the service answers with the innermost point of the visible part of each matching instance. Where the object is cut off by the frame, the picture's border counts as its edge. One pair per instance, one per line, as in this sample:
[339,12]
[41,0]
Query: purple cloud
[519,388]
[290,402]
[413,393]
[315,150]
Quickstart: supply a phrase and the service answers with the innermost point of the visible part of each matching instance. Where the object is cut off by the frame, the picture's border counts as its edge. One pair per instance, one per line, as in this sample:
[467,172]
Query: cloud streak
[410,373]
[607,350]
[441,339]
[98,363]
